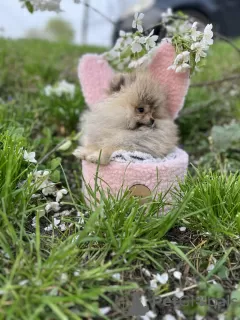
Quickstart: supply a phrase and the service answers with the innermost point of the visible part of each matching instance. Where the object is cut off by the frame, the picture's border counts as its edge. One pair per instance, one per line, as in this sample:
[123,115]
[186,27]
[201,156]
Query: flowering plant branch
[135,49]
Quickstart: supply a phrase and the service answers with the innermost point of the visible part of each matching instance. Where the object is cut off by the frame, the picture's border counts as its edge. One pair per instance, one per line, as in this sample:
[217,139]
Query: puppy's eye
[141,110]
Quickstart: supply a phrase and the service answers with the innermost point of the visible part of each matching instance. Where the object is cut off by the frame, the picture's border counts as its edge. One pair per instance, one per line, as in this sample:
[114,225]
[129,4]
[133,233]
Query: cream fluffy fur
[117,124]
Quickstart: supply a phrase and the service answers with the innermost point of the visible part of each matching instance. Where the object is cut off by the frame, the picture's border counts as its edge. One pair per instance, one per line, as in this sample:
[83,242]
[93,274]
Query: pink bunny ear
[95,75]
[175,84]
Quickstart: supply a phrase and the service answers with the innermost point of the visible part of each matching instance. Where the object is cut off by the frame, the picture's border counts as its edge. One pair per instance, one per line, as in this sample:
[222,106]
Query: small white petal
[116,276]
[143,301]
[177,275]
[105,310]
[52,206]
[153,284]
[122,33]
[63,278]
[63,227]
[182,229]
[179,293]
[48,228]
[146,272]
[136,47]
[23,282]
[168,317]
[180,314]
[56,221]
[163,278]
[149,315]
[210,267]
[140,28]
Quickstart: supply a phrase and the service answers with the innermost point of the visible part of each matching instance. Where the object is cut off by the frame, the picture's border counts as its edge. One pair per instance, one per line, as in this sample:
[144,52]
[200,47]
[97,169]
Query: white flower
[137,22]
[177,275]
[153,284]
[163,278]
[182,229]
[210,267]
[207,35]
[60,194]
[180,63]
[143,301]
[166,15]
[64,278]
[118,44]
[40,173]
[48,228]
[116,276]
[23,282]
[48,90]
[46,5]
[33,222]
[149,315]
[137,44]
[63,227]
[126,37]
[76,273]
[150,41]
[199,48]
[81,217]
[29,156]
[123,63]
[56,221]
[179,293]
[52,206]
[61,88]
[194,32]
[48,188]
[146,272]
[139,62]
[180,314]
[168,317]
[105,310]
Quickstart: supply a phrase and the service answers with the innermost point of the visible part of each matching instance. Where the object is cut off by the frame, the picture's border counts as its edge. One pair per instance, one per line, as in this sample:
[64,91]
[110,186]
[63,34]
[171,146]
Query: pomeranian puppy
[133,117]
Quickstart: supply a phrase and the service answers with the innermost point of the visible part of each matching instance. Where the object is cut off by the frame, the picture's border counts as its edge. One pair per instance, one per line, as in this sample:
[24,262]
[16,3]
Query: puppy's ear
[174,84]
[95,76]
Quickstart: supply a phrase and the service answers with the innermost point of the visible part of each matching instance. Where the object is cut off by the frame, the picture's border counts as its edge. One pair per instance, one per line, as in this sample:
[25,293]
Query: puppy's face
[140,114]
[140,97]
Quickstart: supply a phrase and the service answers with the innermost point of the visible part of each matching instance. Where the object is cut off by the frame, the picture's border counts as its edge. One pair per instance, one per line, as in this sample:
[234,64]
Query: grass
[108,251]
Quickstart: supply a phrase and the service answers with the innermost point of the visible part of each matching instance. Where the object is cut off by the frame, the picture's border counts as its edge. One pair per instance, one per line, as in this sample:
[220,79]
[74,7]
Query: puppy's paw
[80,153]
[95,157]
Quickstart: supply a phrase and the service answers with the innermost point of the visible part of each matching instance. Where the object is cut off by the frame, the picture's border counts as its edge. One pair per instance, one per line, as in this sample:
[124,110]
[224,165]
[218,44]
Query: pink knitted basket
[95,75]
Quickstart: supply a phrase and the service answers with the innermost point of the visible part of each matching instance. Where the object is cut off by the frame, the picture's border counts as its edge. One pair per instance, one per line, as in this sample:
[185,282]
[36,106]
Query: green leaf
[29,6]
[235,296]
[65,146]
[55,176]
[215,291]
[55,163]
[223,272]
